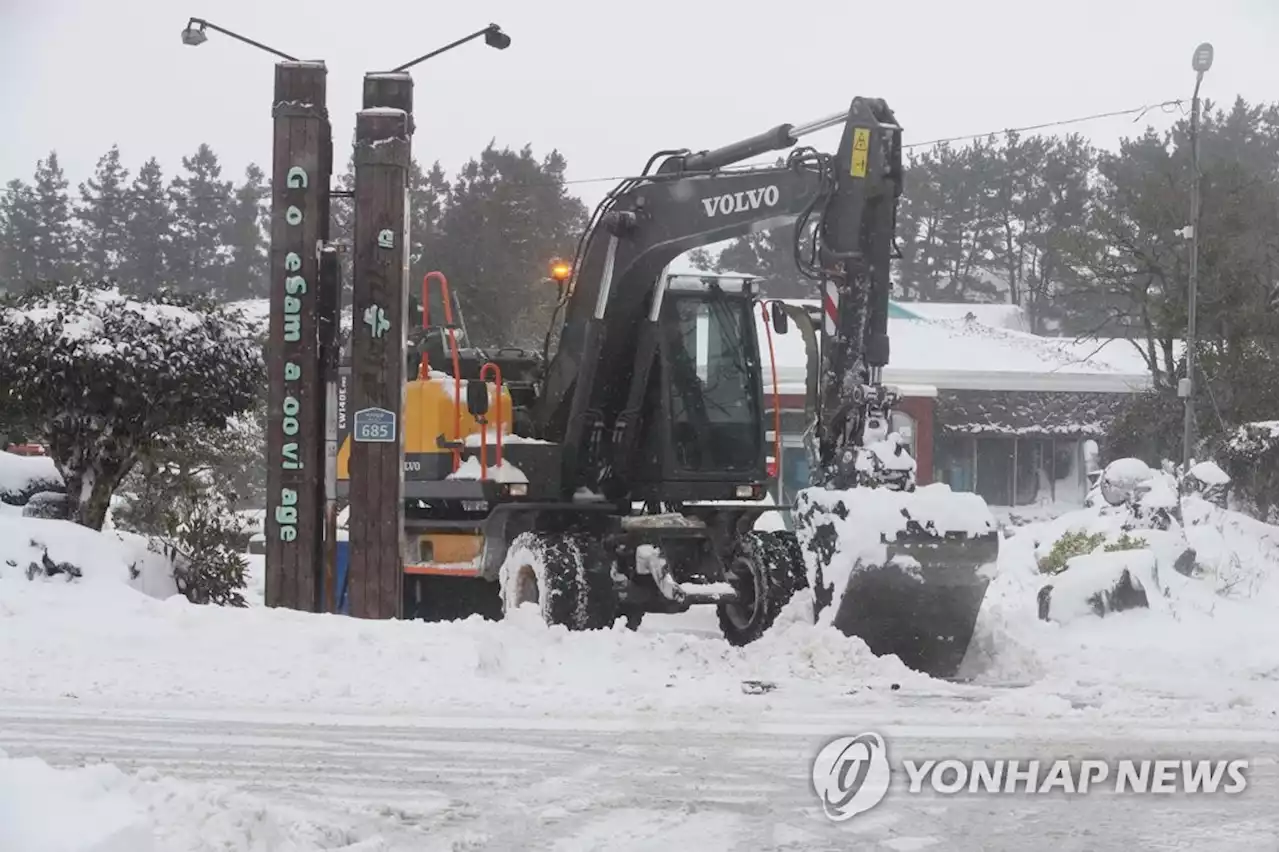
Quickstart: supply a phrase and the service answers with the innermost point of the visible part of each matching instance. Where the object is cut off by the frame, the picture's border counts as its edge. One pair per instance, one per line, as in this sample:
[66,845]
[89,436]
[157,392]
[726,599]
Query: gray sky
[607,83]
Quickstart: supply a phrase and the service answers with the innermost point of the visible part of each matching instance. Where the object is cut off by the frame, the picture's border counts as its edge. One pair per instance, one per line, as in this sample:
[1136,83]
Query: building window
[953,461]
[905,425]
[1012,471]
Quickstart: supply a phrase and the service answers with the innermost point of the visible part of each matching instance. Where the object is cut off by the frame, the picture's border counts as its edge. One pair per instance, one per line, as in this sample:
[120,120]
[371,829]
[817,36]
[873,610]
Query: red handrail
[453,349]
[484,427]
[777,407]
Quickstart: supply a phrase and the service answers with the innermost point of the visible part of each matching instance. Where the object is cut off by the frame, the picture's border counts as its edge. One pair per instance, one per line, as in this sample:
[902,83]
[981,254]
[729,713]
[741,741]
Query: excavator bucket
[906,572]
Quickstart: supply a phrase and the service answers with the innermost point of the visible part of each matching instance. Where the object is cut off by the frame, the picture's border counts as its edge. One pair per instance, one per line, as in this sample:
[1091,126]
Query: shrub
[1075,543]
[201,542]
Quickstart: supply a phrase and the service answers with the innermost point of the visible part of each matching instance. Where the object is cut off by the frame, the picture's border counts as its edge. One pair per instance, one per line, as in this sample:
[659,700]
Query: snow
[1204,653]
[505,472]
[1012,317]
[1209,473]
[79,326]
[1206,644]
[956,354]
[866,519]
[109,560]
[99,808]
[1086,576]
[18,474]
[490,436]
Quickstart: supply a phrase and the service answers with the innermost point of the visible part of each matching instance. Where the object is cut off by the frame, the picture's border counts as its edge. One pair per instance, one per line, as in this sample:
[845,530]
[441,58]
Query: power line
[1139,111]
[1165,106]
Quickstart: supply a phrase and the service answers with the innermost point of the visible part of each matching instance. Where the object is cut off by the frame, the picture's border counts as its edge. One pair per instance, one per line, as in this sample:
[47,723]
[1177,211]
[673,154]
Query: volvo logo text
[741,202]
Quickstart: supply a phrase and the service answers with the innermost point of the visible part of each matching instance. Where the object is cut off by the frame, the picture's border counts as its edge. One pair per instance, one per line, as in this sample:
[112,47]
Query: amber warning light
[560,271]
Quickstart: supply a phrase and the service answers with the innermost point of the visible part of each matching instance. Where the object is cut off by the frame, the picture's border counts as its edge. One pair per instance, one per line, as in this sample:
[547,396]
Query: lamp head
[560,271]
[1202,59]
[194,35]
[496,38]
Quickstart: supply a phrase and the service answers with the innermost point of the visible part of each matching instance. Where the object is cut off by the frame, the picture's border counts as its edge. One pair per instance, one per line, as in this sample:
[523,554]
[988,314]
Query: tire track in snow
[455,787]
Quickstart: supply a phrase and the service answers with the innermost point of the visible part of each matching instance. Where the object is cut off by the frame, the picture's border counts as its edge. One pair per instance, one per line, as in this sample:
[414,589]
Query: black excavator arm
[595,384]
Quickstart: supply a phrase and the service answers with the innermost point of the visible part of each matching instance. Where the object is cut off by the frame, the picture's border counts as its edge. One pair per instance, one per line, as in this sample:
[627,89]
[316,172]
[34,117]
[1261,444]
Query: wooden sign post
[376,397]
[301,166]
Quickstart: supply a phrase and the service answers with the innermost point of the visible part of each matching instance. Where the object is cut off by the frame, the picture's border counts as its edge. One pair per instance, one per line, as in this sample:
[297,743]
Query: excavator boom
[909,581]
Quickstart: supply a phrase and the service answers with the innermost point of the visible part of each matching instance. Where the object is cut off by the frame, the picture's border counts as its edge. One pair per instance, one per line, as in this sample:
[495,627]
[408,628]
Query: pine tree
[202,216]
[428,192]
[103,214]
[507,216]
[246,276]
[54,243]
[148,233]
[19,228]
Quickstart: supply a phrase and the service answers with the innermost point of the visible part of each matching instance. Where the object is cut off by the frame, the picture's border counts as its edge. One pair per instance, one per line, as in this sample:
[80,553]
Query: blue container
[341,579]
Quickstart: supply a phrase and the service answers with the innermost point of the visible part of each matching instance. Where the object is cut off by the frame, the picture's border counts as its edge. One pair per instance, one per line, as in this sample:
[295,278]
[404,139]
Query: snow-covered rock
[1097,584]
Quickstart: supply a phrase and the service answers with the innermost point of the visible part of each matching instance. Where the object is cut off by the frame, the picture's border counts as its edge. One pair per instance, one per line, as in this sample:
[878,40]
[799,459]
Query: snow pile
[99,808]
[113,565]
[1085,588]
[98,640]
[1208,641]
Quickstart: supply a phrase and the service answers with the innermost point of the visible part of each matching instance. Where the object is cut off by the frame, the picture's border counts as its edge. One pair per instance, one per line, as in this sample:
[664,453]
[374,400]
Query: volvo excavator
[625,472]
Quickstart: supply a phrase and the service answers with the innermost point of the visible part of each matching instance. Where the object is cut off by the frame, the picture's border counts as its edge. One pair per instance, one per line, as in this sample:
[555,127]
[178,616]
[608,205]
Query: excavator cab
[704,438]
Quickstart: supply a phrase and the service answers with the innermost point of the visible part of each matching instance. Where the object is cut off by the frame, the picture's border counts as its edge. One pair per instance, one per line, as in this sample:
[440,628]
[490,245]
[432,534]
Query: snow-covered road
[390,783]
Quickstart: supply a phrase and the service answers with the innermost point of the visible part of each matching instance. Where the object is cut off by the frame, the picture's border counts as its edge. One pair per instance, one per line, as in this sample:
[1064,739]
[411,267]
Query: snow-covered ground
[342,734]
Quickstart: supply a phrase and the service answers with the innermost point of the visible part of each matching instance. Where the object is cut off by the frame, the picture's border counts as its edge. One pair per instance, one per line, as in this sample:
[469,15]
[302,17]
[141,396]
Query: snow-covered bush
[22,477]
[202,542]
[104,376]
[50,505]
[1075,543]
[1250,456]
[230,461]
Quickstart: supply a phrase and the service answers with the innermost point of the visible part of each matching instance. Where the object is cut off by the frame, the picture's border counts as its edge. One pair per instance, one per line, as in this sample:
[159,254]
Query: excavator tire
[766,569]
[565,574]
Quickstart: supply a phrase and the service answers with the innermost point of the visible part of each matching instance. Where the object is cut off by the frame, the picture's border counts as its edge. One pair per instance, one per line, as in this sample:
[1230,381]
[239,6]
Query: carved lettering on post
[295,439]
[376,520]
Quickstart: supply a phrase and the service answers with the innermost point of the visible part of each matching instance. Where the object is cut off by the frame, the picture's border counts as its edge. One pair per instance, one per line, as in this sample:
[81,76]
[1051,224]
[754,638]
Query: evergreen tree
[202,216]
[102,213]
[507,216]
[246,276]
[54,244]
[428,194]
[148,233]
[19,230]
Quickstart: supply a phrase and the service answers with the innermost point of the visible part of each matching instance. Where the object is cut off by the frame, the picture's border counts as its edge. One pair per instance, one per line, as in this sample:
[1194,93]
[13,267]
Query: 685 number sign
[374,426]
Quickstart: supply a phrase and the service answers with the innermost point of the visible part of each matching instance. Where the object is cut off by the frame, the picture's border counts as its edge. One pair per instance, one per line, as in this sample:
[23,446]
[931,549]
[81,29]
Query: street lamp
[194,36]
[493,36]
[1201,61]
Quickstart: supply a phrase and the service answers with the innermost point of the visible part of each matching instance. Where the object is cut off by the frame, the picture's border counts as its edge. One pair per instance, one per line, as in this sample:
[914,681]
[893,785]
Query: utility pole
[1201,61]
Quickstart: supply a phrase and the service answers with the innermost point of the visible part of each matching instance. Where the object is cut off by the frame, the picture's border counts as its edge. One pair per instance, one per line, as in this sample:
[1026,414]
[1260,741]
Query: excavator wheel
[765,569]
[565,574]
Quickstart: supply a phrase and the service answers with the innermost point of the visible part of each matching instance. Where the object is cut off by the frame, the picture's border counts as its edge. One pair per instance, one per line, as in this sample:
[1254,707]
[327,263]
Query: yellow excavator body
[428,415]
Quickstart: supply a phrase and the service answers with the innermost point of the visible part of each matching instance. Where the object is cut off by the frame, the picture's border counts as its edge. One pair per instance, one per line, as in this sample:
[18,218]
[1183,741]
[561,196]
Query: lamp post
[1201,61]
[493,36]
[194,36]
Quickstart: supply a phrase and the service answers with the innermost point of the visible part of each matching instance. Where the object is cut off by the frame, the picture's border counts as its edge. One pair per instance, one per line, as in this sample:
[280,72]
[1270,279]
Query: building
[987,407]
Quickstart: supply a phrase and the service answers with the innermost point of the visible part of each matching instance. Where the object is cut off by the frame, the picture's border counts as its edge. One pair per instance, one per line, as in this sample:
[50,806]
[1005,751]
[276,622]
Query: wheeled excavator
[625,472]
